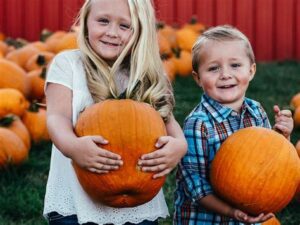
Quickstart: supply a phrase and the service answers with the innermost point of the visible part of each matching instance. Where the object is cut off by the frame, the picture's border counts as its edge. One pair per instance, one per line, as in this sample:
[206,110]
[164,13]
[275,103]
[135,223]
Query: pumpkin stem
[193,20]
[17,43]
[45,34]
[43,73]
[160,25]
[7,121]
[41,60]
[34,107]
[176,52]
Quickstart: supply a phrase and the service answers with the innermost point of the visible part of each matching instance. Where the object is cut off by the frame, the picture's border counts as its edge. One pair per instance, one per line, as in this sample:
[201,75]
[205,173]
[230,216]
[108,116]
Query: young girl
[118,55]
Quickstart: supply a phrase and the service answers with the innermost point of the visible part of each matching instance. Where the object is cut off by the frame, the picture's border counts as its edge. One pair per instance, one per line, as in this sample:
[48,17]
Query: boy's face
[225,72]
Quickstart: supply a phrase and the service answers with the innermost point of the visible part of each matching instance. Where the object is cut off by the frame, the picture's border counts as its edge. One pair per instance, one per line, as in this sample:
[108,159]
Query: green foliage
[22,189]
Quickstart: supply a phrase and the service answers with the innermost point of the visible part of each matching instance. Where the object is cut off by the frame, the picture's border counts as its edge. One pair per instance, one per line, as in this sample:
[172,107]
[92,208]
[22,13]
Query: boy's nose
[225,73]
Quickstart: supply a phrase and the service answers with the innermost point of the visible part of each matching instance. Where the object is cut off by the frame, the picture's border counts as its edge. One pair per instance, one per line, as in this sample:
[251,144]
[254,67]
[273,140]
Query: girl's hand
[283,121]
[245,218]
[162,161]
[90,156]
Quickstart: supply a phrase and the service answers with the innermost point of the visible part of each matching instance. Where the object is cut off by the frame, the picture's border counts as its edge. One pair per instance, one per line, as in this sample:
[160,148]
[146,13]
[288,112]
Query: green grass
[22,189]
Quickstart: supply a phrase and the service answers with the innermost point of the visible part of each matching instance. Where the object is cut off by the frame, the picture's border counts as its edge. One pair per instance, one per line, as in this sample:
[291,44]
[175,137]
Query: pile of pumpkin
[23,68]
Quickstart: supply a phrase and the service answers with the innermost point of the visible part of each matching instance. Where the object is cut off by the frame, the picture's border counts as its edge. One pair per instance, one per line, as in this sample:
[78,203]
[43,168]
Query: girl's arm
[83,150]
[171,149]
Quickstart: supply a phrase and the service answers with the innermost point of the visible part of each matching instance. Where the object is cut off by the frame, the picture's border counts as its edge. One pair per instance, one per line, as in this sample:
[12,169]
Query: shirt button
[233,113]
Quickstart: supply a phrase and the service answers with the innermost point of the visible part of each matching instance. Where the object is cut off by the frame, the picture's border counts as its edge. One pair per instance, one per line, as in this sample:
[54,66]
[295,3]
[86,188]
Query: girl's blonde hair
[220,33]
[147,80]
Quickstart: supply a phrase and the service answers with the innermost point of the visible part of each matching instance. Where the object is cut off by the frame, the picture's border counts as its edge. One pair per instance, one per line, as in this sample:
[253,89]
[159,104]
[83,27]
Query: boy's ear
[252,70]
[196,78]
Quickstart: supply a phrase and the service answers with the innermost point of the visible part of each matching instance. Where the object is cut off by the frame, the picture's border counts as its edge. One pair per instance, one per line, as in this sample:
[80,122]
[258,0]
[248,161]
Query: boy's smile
[225,72]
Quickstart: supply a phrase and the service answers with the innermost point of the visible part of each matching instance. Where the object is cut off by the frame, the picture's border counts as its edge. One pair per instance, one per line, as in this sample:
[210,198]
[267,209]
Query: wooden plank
[224,12]
[14,18]
[184,11]
[264,30]
[69,13]
[51,14]
[205,11]
[165,11]
[2,16]
[244,18]
[33,19]
[284,29]
[297,30]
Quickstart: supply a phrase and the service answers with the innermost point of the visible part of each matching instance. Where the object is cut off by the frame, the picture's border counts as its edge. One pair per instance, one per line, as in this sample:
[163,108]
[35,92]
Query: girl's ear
[196,78]
[252,70]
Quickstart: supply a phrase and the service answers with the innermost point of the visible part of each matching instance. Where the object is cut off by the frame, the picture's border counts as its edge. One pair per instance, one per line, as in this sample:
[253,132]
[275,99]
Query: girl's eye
[103,21]
[213,69]
[125,26]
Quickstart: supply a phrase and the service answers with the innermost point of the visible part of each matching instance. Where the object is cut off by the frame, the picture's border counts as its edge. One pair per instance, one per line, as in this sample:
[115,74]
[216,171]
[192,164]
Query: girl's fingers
[99,140]
[107,154]
[157,168]
[161,141]
[153,155]
[108,161]
[151,162]
[276,109]
[161,174]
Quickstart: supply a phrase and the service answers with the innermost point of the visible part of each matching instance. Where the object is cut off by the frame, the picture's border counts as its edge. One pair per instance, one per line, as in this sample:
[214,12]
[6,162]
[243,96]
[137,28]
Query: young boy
[223,65]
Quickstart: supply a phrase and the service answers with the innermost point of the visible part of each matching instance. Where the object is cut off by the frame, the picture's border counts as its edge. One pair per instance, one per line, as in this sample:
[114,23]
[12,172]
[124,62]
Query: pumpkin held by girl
[132,129]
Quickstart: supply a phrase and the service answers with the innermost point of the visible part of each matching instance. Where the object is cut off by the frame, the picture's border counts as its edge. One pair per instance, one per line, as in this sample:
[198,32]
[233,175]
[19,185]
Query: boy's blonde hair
[220,33]
[147,80]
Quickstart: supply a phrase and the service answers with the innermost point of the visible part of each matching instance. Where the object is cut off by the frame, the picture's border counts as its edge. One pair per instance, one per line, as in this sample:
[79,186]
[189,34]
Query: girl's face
[109,28]
[225,72]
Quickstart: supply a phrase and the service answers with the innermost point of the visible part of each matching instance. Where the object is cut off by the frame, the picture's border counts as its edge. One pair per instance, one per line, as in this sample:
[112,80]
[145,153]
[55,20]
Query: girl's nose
[112,31]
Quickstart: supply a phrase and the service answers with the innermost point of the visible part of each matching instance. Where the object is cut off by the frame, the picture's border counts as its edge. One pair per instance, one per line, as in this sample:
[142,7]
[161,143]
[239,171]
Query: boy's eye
[213,68]
[235,65]
[103,21]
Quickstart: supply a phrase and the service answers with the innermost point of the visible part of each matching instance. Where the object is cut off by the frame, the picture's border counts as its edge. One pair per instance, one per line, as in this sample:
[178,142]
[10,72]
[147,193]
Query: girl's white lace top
[64,193]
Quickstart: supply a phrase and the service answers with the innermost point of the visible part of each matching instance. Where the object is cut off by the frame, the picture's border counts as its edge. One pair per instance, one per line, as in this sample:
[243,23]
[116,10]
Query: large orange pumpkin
[132,129]
[256,170]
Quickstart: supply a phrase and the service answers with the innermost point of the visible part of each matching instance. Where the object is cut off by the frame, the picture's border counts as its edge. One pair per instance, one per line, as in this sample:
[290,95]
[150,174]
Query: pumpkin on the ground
[12,148]
[132,129]
[256,170]
[272,221]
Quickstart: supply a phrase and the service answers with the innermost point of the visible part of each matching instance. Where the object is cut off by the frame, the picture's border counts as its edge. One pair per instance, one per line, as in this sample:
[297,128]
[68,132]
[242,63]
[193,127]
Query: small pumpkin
[132,129]
[13,76]
[295,101]
[12,148]
[13,123]
[12,101]
[272,221]
[37,82]
[256,170]
[35,121]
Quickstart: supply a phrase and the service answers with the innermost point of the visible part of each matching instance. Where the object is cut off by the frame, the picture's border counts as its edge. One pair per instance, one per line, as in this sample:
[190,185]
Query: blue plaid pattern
[205,129]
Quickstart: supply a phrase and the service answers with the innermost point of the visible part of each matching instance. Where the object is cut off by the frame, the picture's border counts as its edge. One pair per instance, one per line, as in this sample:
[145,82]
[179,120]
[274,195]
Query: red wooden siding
[273,26]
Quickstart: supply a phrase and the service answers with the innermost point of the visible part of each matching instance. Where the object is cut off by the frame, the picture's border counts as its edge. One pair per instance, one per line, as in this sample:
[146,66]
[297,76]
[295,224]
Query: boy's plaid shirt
[205,129]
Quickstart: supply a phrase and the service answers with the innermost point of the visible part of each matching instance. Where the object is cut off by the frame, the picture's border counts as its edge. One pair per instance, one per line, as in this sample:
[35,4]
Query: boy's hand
[90,156]
[245,218]
[283,121]
[165,158]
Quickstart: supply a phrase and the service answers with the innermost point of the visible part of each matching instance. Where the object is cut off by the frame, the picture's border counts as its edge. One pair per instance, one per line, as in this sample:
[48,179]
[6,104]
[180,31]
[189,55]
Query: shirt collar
[220,112]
